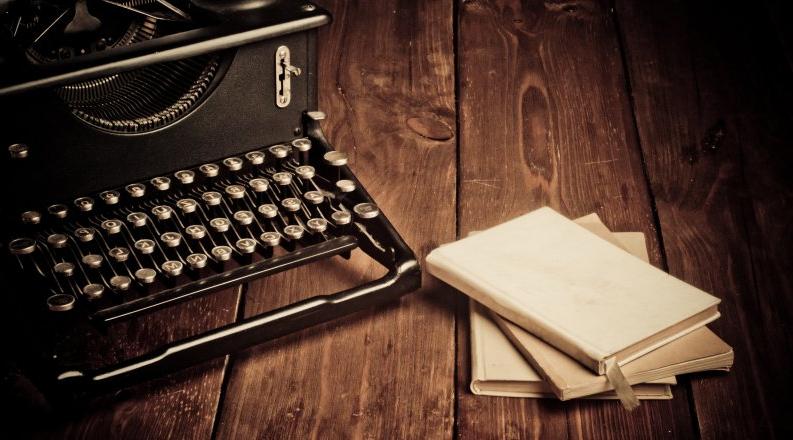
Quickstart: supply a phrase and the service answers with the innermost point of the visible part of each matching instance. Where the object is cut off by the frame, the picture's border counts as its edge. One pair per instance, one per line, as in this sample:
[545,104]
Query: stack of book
[569,309]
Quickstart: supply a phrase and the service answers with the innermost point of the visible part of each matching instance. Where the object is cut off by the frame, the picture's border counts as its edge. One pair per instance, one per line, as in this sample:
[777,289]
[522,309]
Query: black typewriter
[156,151]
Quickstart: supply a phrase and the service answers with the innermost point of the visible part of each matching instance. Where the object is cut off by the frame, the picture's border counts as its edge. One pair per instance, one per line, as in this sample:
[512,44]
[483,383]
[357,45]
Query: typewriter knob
[18,151]
[235,191]
[279,151]
[93,290]
[196,232]
[64,269]
[137,219]
[58,210]
[259,185]
[233,163]
[85,234]
[145,275]
[271,238]
[294,232]
[303,144]
[31,217]
[314,197]
[84,204]
[58,241]
[268,210]
[145,246]
[291,204]
[335,158]
[197,261]
[60,303]
[283,178]
[209,169]
[221,253]
[162,212]
[345,185]
[243,217]
[93,261]
[111,226]
[186,205]
[172,268]
[212,198]
[305,171]
[171,239]
[120,282]
[341,217]
[120,254]
[110,197]
[136,190]
[366,210]
[317,224]
[185,176]
[22,246]
[255,157]
[161,183]
[246,245]
[220,224]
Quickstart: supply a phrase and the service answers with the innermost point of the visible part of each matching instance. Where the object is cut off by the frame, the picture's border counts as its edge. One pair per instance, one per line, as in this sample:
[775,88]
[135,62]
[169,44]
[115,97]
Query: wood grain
[545,119]
[387,84]
[714,121]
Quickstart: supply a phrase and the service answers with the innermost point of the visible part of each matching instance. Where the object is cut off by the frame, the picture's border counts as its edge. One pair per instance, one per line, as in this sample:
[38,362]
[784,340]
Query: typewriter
[157,151]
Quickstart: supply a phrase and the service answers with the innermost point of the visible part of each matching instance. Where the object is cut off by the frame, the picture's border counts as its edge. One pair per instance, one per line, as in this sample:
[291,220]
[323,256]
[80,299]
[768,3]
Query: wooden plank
[545,120]
[387,84]
[714,121]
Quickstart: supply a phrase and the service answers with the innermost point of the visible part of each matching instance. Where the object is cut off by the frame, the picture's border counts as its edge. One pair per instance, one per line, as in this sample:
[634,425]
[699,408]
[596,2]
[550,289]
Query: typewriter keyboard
[126,250]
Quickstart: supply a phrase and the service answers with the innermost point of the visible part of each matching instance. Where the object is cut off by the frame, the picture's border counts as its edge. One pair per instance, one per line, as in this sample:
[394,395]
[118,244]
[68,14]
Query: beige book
[578,292]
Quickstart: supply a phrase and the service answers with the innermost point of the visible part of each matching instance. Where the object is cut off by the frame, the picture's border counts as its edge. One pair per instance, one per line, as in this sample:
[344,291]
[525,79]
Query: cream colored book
[572,289]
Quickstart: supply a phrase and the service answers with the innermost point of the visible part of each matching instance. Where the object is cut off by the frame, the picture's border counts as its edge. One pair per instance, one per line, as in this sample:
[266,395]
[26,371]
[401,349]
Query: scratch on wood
[599,162]
[484,182]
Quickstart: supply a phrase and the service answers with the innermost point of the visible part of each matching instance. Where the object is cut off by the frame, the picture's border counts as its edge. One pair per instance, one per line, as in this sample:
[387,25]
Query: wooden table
[664,117]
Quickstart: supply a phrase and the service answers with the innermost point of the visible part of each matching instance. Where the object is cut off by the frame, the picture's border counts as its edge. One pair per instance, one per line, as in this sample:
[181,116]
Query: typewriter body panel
[105,221]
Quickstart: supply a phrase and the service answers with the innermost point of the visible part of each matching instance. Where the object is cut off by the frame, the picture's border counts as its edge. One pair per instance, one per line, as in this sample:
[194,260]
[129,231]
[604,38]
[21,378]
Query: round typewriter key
[212,198]
[186,205]
[120,254]
[366,210]
[120,282]
[220,224]
[185,176]
[58,210]
[235,191]
[246,245]
[305,172]
[291,204]
[111,226]
[31,217]
[145,246]
[171,239]
[93,290]
[345,185]
[109,197]
[162,183]
[145,275]
[196,232]
[137,219]
[209,169]
[314,197]
[270,238]
[172,268]
[196,261]
[85,234]
[136,190]
[268,210]
[341,217]
[84,204]
[221,253]
[18,151]
[279,151]
[335,158]
[283,178]
[65,269]
[60,303]
[317,224]
[294,232]
[259,185]
[243,217]
[22,246]
[93,261]
[302,144]
[162,212]
[233,163]
[58,241]
[255,157]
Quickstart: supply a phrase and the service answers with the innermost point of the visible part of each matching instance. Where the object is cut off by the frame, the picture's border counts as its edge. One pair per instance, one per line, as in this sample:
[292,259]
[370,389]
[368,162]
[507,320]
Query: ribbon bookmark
[621,385]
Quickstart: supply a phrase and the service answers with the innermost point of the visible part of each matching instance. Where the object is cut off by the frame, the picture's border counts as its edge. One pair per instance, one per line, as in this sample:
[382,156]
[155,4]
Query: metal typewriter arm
[404,275]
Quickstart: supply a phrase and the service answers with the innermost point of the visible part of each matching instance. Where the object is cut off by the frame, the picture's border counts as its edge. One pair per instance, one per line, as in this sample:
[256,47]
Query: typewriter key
[259,185]
[31,217]
[220,224]
[233,163]
[345,185]
[270,238]
[93,261]
[235,191]
[305,171]
[172,268]
[65,269]
[283,178]
[255,157]
[136,190]
[197,261]
[171,239]
[120,282]
[341,217]
[145,246]
[162,212]
[22,246]
[268,210]
[366,210]
[110,197]
[243,217]
[291,204]
[246,245]
[196,232]
[302,144]
[335,158]
[294,232]
[58,210]
[137,219]
[212,198]
[162,183]
[145,275]
[279,151]
[317,224]
[84,234]
[209,169]
[185,176]
[221,253]
[58,241]
[18,151]
[111,226]
[93,290]
[314,197]
[60,303]
[84,204]
[186,205]
[120,254]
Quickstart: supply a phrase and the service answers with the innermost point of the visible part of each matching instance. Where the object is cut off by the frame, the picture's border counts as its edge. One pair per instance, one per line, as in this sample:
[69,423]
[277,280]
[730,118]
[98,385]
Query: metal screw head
[18,151]
[22,246]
